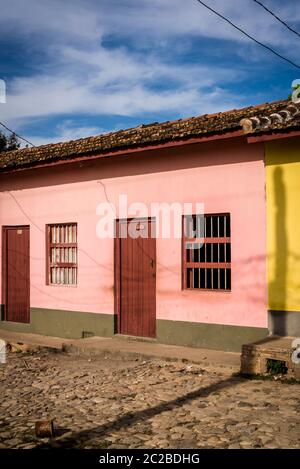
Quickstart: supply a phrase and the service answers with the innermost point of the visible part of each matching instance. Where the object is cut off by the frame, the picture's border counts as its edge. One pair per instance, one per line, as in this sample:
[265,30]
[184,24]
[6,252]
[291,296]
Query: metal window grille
[62,254]
[207,252]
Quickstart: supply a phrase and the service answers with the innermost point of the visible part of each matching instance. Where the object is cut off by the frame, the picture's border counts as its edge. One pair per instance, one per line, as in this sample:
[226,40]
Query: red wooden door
[136,265]
[16,281]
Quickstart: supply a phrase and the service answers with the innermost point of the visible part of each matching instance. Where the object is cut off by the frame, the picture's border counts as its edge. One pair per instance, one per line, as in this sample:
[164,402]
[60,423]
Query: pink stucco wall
[227,176]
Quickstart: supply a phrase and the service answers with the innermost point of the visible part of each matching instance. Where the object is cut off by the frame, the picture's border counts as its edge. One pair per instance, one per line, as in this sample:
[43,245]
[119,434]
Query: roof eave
[274,135]
[126,151]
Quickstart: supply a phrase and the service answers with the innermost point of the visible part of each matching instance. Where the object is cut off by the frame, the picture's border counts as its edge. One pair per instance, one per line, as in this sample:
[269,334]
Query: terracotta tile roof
[283,118]
[254,119]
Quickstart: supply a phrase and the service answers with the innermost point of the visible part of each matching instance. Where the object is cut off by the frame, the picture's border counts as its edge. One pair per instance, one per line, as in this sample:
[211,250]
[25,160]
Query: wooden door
[136,278]
[16,280]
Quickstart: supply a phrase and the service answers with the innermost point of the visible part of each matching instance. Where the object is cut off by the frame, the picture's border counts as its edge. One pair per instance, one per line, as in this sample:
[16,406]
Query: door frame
[117,269]
[4,292]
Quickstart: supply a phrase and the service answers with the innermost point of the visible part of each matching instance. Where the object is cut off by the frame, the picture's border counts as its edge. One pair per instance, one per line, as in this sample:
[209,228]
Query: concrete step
[133,348]
[255,356]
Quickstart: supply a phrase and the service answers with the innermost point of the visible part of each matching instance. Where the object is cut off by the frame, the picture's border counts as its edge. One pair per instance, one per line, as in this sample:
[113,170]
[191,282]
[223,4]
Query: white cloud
[66,131]
[89,19]
[116,82]
[67,19]
[42,96]
[84,73]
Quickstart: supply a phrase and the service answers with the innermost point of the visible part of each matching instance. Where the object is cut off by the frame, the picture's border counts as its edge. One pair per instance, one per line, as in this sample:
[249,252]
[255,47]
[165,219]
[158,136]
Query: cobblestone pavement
[121,402]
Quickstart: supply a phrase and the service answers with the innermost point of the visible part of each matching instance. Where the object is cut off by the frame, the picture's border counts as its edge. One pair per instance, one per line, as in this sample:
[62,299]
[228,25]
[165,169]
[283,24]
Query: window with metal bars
[61,242]
[207,252]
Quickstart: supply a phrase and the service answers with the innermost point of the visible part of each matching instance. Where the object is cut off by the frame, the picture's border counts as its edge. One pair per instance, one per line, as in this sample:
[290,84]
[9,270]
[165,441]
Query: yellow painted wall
[283,223]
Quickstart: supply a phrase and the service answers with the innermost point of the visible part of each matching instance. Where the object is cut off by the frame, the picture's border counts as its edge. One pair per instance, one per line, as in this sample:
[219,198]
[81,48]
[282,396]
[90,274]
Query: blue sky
[75,68]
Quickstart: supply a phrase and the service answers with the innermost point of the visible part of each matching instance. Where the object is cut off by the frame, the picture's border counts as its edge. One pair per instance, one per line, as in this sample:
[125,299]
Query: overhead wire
[277,17]
[270,49]
[17,135]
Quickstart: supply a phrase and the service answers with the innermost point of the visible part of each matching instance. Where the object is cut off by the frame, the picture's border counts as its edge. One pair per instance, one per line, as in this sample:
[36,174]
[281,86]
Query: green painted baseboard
[66,324]
[75,324]
[212,336]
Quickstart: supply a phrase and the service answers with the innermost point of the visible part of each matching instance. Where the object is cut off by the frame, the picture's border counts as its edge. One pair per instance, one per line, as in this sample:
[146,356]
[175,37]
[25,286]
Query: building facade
[63,276]
[283,234]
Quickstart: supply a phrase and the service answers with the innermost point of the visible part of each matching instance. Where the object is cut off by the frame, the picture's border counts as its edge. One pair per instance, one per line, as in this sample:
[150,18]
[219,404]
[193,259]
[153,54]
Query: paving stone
[123,403]
[13,442]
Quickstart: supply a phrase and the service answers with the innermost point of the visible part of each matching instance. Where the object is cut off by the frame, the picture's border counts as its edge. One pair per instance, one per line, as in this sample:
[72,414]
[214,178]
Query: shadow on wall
[277,288]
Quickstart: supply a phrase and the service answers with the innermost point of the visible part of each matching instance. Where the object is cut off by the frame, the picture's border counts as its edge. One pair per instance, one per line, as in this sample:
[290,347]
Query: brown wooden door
[16,281]
[136,272]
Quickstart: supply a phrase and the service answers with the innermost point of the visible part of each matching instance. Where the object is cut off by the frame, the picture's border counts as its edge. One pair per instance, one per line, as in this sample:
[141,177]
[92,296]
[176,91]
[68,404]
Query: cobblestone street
[120,402]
